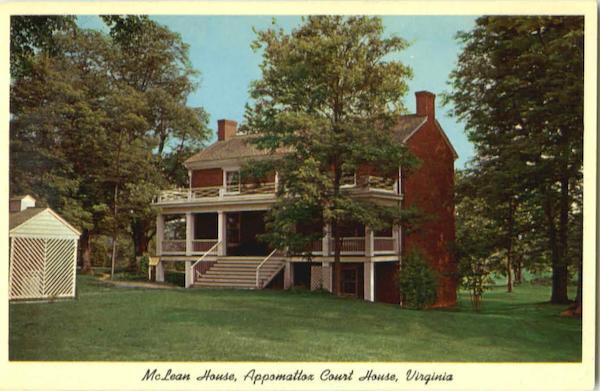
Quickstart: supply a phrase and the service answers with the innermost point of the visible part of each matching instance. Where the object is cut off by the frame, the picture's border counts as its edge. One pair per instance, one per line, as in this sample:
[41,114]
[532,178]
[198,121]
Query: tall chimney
[426,104]
[226,129]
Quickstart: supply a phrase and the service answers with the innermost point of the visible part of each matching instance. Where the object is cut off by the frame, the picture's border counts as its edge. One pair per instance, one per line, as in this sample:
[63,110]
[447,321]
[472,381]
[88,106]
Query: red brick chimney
[426,104]
[227,129]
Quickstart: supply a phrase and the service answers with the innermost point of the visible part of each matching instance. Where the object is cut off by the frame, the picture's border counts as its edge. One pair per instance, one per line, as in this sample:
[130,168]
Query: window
[232,181]
[348,179]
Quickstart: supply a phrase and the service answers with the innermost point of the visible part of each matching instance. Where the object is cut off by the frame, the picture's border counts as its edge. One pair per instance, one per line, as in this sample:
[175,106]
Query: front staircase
[239,273]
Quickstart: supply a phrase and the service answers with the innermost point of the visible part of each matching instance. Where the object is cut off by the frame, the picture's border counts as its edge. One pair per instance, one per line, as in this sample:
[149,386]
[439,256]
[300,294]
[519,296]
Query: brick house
[212,225]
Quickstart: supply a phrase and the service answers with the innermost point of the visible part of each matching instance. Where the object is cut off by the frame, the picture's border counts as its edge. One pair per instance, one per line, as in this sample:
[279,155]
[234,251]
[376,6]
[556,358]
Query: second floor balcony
[368,183]
[210,193]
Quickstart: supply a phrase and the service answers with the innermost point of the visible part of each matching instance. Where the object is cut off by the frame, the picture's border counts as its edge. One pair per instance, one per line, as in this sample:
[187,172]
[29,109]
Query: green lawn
[110,323]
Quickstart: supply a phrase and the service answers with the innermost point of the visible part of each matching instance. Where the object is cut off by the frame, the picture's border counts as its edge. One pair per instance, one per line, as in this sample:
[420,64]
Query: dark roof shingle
[18,218]
[240,146]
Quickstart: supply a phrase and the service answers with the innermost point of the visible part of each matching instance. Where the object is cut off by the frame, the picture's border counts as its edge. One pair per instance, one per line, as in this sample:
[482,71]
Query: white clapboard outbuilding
[43,252]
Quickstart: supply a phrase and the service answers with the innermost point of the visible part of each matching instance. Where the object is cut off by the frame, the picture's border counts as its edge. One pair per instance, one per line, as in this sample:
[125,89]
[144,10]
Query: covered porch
[236,234]
[215,233]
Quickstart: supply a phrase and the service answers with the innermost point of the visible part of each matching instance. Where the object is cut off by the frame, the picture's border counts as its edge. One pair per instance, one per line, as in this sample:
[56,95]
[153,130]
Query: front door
[243,230]
[234,229]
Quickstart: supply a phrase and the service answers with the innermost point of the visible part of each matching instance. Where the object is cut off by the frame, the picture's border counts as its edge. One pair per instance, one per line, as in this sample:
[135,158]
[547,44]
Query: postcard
[299,195]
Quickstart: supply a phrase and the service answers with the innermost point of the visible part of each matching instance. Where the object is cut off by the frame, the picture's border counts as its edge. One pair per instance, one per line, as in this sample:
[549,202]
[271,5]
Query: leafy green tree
[476,240]
[518,87]
[417,281]
[154,62]
[329,96]
[90,128]
[34,33]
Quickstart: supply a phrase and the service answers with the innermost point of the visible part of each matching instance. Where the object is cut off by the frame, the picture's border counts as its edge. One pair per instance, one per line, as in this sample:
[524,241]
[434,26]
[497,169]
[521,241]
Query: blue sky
[220,50]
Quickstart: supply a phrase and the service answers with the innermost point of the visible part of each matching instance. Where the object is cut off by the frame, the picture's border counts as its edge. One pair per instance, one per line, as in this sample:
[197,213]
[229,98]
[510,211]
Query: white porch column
[160,272]
[369,281]
[326,239]
[327,272]
[222,234]
[397,232]
[160,233]
[189,233]
[189,274]
[288,275]
[369,242]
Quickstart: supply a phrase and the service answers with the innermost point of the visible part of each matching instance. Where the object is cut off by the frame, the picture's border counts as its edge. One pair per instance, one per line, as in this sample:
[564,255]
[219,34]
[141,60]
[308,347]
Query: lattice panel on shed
[42,268]
[316,278]
[326,272]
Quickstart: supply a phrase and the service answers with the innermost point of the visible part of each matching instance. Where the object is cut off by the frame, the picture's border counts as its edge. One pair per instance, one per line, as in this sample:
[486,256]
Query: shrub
[144,262]
[417,281]
[475,276]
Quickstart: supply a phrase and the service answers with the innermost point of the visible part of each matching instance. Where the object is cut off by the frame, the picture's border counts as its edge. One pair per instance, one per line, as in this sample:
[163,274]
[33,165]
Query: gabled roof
[240,146]
[407,126]
[18,218]
[410,124]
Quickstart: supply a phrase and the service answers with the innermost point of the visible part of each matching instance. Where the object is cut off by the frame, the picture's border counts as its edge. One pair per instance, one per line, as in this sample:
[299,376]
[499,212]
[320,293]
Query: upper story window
[232,181]
[348,179]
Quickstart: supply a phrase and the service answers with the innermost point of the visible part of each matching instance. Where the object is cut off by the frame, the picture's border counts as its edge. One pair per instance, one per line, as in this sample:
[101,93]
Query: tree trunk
[335,227]
[519,270]
[337,266]
[509,252]
[86,251]
[578,298]
[509,284]
[141,240]
[559,268]
[115,232]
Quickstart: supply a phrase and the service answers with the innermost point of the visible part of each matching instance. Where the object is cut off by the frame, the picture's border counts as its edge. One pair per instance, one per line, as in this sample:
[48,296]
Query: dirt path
[136,284]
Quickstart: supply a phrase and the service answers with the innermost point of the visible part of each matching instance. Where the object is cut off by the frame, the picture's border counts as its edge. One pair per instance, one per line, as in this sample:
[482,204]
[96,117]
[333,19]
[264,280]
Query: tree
[328,96]
[32,34]
[154,62]
[82,122]
[518,87]
[477,234]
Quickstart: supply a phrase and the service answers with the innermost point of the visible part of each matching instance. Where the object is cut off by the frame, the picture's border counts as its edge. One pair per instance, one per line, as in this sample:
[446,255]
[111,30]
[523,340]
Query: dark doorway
[243,229]
[386,286]
[352,279]
[206,226]
[302,274]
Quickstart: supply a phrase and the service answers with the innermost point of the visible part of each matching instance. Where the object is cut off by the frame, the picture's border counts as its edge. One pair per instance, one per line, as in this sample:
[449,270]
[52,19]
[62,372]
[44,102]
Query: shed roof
[18,218]
[40,222]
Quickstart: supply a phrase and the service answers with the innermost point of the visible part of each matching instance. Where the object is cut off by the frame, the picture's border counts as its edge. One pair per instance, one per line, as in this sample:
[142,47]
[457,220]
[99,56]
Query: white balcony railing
[215,192]
[384,245]
[369,182]
[350,245]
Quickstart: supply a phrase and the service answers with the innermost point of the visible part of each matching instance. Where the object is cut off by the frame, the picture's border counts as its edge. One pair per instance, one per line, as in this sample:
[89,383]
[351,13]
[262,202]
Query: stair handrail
[261,265]
[205,254]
